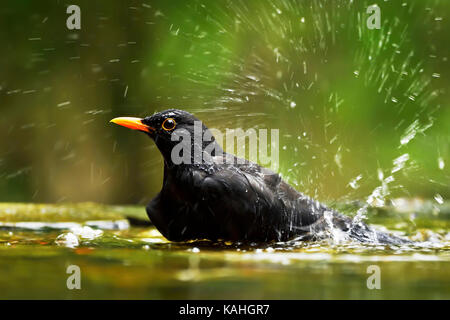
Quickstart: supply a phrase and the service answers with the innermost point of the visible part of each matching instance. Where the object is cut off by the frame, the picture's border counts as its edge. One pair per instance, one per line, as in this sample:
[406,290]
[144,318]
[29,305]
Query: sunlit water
[137,262]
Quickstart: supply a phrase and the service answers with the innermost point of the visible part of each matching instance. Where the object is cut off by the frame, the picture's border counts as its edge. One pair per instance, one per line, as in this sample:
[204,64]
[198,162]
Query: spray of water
[325,72]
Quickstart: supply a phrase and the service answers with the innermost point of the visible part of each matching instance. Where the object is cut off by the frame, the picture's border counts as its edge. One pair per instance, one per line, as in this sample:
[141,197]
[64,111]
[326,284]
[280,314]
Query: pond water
[136,262]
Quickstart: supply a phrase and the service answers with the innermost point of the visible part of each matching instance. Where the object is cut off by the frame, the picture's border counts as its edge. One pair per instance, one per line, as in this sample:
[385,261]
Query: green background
[234,64]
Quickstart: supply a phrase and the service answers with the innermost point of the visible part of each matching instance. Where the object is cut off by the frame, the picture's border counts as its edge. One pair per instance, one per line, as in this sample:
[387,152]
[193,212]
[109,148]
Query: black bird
[222,197]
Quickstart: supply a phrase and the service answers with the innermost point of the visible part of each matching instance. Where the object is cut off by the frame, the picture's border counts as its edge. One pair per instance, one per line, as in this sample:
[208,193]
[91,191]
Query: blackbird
[222,197]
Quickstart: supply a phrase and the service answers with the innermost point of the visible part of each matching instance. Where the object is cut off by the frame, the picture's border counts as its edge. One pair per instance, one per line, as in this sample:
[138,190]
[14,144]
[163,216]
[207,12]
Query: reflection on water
[138,263]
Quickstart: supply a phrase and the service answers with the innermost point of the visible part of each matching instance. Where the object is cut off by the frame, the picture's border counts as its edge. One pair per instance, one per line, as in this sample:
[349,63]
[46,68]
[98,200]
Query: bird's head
[171,127]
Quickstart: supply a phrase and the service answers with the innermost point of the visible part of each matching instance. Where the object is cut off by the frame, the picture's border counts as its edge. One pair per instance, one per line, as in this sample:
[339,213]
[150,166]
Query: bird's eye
[169,124]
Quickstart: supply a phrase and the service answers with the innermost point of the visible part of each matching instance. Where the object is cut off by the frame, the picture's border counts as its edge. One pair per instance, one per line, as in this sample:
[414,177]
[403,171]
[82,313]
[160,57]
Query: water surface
[138,263]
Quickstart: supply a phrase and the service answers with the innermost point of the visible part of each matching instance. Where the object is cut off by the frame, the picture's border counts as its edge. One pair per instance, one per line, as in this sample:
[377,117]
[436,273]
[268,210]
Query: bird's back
[234,199]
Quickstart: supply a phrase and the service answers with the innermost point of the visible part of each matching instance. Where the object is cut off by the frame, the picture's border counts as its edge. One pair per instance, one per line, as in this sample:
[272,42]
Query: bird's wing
[238,199]
[297,210]
[248,168]
[252,197]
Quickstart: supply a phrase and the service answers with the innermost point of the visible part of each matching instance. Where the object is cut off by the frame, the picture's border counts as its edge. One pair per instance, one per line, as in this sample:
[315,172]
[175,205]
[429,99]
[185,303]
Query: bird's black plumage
[235,199]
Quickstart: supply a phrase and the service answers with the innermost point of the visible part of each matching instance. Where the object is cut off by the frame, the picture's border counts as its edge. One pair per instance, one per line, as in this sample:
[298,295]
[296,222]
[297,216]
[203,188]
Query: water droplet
[439,198]
[441,163]
[380,174]
[399,162]
[354,183]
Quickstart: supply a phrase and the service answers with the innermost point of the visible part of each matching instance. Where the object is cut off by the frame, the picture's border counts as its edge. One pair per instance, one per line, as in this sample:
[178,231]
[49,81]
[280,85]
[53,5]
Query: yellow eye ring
[169,124]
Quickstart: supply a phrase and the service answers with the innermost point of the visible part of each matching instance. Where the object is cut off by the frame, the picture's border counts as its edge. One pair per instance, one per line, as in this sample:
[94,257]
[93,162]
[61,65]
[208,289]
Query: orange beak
[132,123]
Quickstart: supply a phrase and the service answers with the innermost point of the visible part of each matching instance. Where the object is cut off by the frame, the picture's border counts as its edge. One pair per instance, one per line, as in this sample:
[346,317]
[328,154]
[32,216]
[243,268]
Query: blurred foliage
[357,92]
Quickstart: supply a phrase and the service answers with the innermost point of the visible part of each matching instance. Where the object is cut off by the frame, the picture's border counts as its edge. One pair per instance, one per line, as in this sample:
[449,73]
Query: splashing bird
[222,197]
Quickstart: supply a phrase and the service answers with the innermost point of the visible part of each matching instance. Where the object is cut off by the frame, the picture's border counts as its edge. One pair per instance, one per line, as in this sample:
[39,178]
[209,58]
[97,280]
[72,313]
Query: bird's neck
[192,152]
